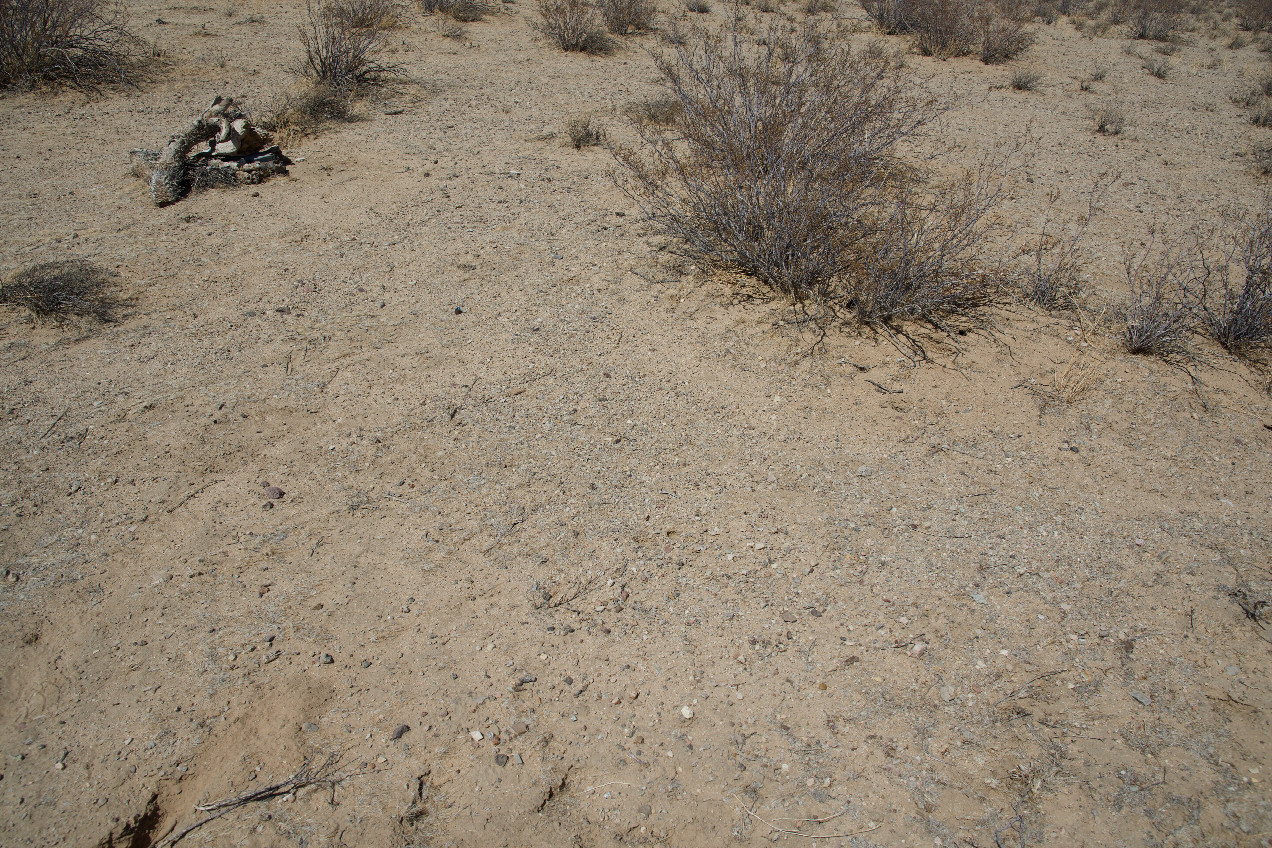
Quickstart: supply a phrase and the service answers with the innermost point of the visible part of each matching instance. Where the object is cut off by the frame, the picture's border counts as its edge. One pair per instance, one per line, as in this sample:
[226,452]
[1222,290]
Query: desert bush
[1099,73]
[339,56]
[1003,39]
[658,112]
[1262,115]
[1153,20]
[1053,276]
[464,11]
[624,16]
[1254,15]
[573,26]
[783,165]
[585,131]
[1109,118]
[66,290]
[307,111]
[1157,66]
[81,43]
[699,7]
[1165,282]
[1025,79]
[1239,313]
[819,7]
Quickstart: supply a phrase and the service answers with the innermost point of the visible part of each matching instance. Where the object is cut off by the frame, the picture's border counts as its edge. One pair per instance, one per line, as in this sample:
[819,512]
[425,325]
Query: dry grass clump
[658,112]
[1154,20]
[1262,156]
[1025,79]
[1158,66]
[626,16]
[783,165]
[1109,118]
[366,14]
[573,26]
[81,43]
[948,28]
[308,111]
[698,7]
[585,131]
[66,290]
[1239,313]
[1254,15]
[463,11]
[1053,276]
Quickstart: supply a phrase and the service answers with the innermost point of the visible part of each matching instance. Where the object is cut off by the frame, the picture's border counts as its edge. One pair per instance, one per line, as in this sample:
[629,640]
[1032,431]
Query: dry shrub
[585,131]
[658,112]
[1003,39]
[947,28]
[81,43]
[365,14]
[1153,20]
[342,57]
[1262,155]
[573,26]
[820,7]
[626,16]
[1254,15]
[698,7]
[783,165]
[1025,79]
[1109,118]
[464,11]
[1158,66]
[1239,313]
[67,290]
[1053,277]
[308,111]
[1166,281]
[1262,115]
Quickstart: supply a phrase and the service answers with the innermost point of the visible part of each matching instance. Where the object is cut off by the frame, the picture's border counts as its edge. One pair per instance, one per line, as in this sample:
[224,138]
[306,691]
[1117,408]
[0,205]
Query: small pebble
[516,758]
[1141,697]
[501,760]
[326,659]
[399,731]
[865,471]
[476,735]
[686,713]
[274,493]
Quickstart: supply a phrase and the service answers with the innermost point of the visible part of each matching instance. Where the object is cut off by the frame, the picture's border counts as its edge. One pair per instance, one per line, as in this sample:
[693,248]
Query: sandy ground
[627,561]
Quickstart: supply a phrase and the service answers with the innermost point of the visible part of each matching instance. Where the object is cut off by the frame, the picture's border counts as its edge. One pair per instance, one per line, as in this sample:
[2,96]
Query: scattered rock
[865,471]
[516,758]
[918,649]
[274,493]
[979,598]
[686,713]
[366,663]
[309,727]
[326,659]
[501,760]
[1141,697]
[476,735]
[519,727]
[400,731]
[789,617]
[948,693]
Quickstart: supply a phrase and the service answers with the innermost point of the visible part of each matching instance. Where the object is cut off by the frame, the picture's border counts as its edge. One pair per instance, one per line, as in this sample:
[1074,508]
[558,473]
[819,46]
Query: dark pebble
[274,493]
[400,731]
[528,678]
[267,505]
[501,760]
[326,659]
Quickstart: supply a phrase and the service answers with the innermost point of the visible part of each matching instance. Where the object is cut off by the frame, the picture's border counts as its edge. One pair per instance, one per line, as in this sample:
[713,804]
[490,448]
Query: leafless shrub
[1109,118]
[1262,155]
[81,43]
[585,131]
[339,56]
[1154,20]
[819,7]
[1262,115]
[464,11]
[1053,277]
[1254,15]
[624,16]
[451,29]
[1003,39]
[1025,79]
[1158,66]
[1099,73]
[1165,281]
[1239,313]
[659,112]
[783,165]
[1239,41]
[67,290]
[698,7]
[573,26]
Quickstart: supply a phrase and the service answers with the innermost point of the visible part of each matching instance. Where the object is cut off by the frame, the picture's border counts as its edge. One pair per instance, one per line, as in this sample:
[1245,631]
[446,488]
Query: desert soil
[631,558]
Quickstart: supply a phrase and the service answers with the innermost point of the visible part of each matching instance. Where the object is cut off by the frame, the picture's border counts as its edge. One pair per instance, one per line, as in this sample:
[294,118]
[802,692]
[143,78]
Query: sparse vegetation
[1053,278]
[1025,79]
[1153,20]
[80,43]
[783,165]
[365,14]
[1239,313]
[1003,39]
[698,7]
[1158,66]
[948,28]
[1165,281]
[573,26]
[659,112]
[68,290]
[308,110]
[1254,15]
[626,16]
[1099,73]
[585,131]
[463,11]
[341,56]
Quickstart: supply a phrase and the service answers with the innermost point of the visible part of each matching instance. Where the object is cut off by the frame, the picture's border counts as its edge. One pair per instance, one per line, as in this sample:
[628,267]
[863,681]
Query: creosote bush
[80,43]
[783,164]
[573,26]
[627,16]
[67,290]
[948,28]
[1238,312]
[341,55]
